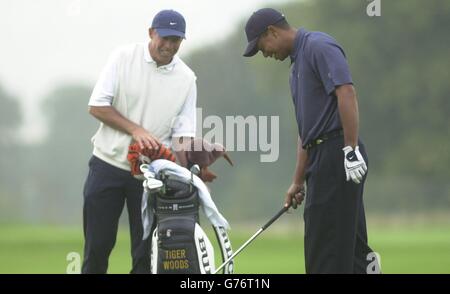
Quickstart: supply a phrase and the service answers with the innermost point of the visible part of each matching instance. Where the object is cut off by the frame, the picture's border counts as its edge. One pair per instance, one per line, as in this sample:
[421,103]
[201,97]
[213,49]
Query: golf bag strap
[225,248]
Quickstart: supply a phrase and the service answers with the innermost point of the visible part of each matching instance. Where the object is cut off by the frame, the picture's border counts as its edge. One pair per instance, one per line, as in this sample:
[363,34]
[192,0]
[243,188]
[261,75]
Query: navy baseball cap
[257,24]
[169,23]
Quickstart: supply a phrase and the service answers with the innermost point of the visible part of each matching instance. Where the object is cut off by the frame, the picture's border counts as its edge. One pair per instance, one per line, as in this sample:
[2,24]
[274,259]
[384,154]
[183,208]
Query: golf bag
[179,244]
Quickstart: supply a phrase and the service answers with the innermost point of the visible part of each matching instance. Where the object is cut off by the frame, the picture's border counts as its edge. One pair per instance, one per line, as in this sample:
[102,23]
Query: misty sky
[50,42]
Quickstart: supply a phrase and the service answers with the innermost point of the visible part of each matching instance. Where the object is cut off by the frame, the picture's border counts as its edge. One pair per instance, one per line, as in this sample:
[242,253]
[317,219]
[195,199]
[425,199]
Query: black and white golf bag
[179,244]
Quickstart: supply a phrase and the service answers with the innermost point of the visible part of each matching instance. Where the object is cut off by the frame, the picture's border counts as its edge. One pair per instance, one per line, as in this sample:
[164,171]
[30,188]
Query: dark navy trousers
[335,224]
[106,190]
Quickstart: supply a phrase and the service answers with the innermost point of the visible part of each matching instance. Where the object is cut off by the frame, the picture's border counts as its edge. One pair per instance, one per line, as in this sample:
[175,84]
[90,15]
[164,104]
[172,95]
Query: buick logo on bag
[227,246]
[204,255]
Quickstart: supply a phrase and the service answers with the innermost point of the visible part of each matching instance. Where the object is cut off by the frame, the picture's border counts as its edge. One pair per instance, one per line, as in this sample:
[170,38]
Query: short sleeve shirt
[318,66]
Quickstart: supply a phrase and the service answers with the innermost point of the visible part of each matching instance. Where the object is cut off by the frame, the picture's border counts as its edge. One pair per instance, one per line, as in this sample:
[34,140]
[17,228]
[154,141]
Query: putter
[273,219]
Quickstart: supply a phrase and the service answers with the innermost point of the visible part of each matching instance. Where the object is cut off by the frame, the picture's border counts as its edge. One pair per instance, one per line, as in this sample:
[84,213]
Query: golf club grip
[283,210]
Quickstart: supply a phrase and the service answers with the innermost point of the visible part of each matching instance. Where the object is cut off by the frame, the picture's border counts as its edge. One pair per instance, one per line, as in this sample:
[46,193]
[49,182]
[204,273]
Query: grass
[403,249]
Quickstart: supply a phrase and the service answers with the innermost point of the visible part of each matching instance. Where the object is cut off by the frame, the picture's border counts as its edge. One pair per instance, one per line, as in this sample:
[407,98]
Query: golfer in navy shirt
[331,159]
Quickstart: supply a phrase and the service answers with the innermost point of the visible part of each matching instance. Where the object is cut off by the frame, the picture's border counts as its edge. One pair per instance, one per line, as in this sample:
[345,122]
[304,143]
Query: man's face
[271,45]
[163,49]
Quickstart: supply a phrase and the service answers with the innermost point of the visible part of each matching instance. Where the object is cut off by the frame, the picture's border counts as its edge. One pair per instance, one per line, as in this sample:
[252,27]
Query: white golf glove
[354,164]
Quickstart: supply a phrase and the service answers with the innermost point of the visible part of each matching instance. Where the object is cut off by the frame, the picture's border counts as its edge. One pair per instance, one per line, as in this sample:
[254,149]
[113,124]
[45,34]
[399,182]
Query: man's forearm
[348,112]
[300,167]
[111,117]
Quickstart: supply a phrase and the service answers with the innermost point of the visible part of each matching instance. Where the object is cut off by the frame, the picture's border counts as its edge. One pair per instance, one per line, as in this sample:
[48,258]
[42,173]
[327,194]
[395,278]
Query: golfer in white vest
[141,91]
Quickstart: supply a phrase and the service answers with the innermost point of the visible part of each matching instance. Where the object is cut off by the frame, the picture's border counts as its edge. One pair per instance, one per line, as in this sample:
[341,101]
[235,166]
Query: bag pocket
[177,253]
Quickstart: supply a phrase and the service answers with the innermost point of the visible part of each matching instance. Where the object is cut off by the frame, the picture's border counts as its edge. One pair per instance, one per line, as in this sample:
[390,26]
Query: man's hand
[144,139]
[294,195]
[354,164]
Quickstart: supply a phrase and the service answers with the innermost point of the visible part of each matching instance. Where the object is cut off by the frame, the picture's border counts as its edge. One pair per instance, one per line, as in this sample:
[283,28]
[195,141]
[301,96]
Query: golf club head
[195,169]
[153,184]
[149,175]
[144,168]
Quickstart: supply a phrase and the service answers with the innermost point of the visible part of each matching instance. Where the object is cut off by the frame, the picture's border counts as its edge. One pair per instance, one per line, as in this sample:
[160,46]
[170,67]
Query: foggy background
[53,51]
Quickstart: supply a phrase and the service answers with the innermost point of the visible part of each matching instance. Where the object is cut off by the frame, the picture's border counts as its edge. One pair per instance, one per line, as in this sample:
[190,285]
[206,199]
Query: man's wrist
[132,129]
[351,144]
[298,181]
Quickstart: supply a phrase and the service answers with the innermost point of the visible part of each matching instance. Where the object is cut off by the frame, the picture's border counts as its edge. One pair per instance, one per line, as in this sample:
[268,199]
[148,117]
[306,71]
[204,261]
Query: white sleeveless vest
[149,96]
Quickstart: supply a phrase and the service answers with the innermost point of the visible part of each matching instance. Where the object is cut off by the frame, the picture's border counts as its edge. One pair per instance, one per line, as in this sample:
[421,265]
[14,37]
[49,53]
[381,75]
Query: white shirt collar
[168,67]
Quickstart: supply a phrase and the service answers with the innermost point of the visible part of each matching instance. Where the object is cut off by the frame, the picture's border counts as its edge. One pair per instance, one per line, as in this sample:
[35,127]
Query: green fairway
[43,249]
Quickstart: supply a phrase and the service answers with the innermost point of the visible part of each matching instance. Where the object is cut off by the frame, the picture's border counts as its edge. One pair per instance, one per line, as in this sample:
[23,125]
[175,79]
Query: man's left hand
[354,164]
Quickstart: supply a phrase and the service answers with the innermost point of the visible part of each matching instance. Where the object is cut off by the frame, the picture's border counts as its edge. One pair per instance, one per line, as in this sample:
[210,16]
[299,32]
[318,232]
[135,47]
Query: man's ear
[272,30]
[151,32]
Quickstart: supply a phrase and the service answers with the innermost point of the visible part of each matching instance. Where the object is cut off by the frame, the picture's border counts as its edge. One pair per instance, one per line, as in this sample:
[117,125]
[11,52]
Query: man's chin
[282,58]
[278,58]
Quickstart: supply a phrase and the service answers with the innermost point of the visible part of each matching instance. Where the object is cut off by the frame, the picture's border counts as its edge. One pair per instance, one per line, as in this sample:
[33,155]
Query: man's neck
[290,37]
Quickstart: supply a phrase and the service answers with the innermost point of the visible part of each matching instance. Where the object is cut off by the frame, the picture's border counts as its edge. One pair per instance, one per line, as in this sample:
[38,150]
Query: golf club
[150,182]
[153,184]
[195,170]
[273,219]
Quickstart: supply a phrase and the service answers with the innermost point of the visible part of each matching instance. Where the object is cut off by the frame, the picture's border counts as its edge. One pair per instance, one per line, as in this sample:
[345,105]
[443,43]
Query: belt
[323,138]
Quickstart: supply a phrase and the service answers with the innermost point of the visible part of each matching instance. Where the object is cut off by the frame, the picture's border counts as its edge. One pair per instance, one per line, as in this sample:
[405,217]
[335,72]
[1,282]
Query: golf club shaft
[239,250]
[283,210]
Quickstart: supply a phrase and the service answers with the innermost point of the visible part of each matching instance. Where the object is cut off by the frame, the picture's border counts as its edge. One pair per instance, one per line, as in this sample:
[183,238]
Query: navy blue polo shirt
[318,67]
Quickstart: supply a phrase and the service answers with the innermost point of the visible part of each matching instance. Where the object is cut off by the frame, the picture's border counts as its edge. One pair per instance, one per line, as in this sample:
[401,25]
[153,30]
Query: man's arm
[296,190]
[111,117]
[348,111]
[100,105]
[354,164]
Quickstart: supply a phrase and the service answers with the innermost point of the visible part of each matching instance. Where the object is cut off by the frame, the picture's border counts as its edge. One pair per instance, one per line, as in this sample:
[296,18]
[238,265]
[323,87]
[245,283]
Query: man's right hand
[145,139]
[294,195]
